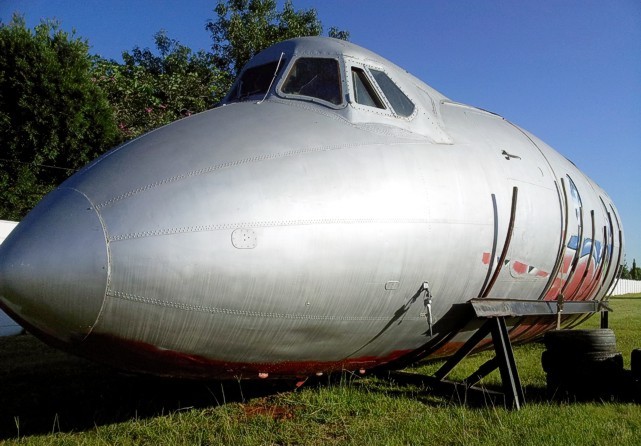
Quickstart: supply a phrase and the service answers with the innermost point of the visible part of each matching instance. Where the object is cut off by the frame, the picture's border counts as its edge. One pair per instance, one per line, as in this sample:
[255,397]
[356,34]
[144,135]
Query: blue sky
[569,71]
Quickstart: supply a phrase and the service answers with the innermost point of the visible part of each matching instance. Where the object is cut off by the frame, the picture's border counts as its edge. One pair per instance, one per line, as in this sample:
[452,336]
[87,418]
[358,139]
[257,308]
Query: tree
[60,107]
[151,89]
[635,272]
[245,27]
[53,116]
[625,271]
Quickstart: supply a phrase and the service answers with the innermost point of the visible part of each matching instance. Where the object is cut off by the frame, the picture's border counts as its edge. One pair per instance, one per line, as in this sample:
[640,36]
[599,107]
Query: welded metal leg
[503,360]
[487,368]
[507,366]
[604,319]
[462,352]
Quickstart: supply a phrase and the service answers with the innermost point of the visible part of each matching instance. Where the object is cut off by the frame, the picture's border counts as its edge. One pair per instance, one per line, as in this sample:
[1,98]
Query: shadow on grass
[43,390]
[434,393]
[624,388]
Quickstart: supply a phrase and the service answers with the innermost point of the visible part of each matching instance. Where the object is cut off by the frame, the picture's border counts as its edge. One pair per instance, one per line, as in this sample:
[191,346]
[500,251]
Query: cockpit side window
[364,92]
[316,78]
[255,81]
[400,103]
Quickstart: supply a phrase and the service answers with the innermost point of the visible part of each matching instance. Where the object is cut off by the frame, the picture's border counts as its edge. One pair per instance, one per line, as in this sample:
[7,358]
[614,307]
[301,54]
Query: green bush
[53,116]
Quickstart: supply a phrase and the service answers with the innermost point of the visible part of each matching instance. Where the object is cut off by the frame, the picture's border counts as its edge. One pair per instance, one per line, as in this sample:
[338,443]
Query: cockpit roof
[314,46]
[356,83]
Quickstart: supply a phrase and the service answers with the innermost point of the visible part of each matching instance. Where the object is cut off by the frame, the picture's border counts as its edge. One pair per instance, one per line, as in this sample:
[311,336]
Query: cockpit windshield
[315,77]
[255,81]
[400,103]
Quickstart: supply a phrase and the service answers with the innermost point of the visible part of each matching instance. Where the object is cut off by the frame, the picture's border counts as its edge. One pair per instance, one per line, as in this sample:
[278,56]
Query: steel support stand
[503,360]
[492,313]
[604,319]
[507,365]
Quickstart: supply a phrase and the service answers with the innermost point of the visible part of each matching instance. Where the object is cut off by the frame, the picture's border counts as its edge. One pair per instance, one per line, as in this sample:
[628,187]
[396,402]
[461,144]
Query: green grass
[48,397]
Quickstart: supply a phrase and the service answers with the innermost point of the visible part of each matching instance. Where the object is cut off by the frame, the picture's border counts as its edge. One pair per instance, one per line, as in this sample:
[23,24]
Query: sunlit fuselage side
[284,236]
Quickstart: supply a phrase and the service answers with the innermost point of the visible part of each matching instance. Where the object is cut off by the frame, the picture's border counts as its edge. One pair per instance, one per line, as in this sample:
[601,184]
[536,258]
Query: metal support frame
[503,360]
[604,319]
[492,314]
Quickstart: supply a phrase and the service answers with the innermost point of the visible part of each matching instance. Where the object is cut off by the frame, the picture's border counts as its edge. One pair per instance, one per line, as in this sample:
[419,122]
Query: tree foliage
[150,89]
[625,271]
[635,271]
[61,107]
[245,27]
[631,273]
[155,87]
[53,116]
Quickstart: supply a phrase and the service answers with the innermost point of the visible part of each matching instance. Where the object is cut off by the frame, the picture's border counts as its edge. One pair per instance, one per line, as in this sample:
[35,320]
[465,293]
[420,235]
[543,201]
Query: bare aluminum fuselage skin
[288,237]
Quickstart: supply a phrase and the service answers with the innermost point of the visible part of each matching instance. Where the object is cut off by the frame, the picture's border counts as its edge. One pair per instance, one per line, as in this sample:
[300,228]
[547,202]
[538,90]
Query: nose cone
[54,267]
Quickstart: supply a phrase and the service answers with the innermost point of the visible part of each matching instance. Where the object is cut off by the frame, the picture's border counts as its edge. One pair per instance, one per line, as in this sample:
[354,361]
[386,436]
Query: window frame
[395,84]
[251,97]
[305,98]
[388,110]
[370,84]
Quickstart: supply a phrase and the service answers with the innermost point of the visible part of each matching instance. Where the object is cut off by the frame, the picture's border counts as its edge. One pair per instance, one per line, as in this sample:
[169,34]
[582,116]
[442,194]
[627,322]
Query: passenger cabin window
[316,78]
[400,103]
[255,81]
[364,92]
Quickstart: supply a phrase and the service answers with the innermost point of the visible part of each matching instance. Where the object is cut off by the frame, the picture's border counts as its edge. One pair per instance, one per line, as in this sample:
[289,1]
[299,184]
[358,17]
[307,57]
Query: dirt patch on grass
[270,409]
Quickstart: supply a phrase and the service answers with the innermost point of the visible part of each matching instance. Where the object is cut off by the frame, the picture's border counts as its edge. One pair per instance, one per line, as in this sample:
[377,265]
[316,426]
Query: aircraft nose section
[54,267]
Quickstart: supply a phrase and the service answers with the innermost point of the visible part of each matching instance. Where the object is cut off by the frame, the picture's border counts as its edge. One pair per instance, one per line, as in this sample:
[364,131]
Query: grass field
[48,397]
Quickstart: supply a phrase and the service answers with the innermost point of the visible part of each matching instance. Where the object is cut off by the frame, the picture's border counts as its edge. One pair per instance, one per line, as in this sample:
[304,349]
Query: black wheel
[573,365]
[552,363]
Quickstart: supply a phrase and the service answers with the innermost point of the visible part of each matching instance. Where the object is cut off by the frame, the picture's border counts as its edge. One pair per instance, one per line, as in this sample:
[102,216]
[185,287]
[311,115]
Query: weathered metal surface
[290,234]
[516,307]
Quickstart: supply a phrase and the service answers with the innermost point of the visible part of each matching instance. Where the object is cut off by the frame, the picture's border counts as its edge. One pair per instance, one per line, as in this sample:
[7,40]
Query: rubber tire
[582,364]
[580,341]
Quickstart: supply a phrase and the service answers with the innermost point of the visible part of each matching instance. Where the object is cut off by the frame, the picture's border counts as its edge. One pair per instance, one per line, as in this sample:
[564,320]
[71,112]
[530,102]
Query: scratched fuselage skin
[289,235]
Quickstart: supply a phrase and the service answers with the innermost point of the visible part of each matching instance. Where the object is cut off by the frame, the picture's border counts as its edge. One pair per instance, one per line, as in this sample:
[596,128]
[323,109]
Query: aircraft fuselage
[289,234]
